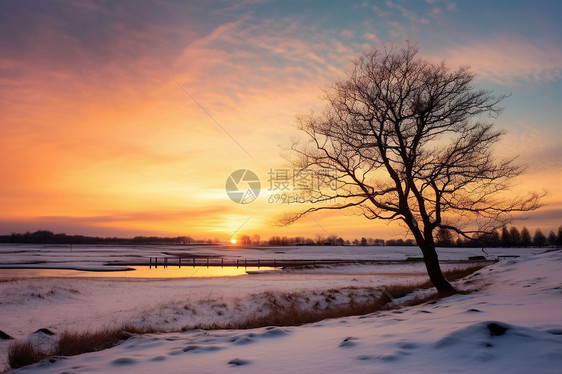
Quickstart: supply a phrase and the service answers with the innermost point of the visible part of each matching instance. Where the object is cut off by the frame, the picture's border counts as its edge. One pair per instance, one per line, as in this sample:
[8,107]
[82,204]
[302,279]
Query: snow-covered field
[452,335]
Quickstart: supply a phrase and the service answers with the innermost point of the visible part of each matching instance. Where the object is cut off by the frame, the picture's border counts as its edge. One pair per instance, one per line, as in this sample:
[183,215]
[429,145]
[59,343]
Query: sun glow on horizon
[100,142]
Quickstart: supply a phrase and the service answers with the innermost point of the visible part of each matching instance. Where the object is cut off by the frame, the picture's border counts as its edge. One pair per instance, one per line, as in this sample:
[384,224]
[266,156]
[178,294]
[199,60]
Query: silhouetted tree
[444,238]
[400,136]
[506,237]
[539,239]
[490,239]
[515,236]
[551,238]
[525,237]
[275,240]
[559,239]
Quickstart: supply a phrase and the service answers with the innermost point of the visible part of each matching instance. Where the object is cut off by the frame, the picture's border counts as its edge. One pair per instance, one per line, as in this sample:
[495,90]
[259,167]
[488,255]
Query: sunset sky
[126,118]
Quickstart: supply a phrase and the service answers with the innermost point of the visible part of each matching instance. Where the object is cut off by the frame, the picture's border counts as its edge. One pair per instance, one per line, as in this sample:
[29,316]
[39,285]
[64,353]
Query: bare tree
[402,137]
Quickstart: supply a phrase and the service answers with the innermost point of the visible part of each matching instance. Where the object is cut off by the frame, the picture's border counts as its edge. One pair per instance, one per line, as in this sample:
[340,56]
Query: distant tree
[506,237]
[525,237]
[490,239]
[539,239]
[515,236]
[363,241]
[559,239]
[332,240]
[274,240]
[551,239]
[401,137]
[444,238]
[184,240]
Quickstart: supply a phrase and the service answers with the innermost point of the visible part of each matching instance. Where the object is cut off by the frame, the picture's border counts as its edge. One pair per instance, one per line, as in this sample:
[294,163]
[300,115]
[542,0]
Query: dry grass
[71,343]
[285,311]
[291,314]
[24,353]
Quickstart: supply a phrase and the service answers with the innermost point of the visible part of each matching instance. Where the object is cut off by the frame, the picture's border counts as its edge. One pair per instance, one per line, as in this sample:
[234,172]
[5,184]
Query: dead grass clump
[24,353]
[73,343]
[431,298]
[285,311]
[294,315]
[456,274]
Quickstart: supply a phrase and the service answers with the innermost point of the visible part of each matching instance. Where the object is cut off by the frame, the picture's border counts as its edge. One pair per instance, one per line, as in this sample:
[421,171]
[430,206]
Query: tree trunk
[433,269]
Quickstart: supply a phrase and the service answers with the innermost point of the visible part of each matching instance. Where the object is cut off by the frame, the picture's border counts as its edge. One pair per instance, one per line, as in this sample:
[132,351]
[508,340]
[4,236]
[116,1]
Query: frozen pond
[132,272]
[102,261]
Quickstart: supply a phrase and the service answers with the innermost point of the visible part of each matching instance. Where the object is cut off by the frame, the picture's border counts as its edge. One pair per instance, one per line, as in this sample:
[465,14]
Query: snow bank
[512,325]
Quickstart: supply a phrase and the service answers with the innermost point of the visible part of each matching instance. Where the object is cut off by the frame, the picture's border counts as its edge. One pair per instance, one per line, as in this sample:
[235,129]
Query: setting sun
[232,241]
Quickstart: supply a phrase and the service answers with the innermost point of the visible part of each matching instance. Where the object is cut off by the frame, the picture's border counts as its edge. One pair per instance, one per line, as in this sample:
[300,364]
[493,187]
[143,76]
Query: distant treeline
[505,237]
[48,237]
[330,240]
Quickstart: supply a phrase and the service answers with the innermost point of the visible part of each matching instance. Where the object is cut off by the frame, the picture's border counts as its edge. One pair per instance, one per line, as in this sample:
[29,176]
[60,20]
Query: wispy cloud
[537,148]
[509,60]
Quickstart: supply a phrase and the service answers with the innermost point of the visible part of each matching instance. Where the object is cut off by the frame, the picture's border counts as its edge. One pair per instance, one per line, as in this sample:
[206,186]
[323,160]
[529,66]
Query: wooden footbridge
[272,263]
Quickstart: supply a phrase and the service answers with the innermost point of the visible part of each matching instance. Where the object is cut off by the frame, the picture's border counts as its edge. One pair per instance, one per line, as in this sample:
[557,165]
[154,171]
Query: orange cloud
[99,137]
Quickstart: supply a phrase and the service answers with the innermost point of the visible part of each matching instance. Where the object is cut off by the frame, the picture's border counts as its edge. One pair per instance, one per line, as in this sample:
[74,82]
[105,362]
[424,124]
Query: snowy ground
[452,335]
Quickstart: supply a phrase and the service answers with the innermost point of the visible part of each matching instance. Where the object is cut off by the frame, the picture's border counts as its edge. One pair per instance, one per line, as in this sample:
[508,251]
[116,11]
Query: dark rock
[5,336]
[238,362]
[348,342]
[496,329]
[44,331]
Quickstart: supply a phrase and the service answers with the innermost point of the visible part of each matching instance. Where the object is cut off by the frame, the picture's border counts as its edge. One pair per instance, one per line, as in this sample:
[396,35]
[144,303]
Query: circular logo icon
[243,186]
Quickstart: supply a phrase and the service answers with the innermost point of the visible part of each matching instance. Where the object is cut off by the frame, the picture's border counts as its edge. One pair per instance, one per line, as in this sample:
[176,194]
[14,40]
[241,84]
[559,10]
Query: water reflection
[138,272]
[191,272]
